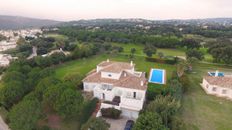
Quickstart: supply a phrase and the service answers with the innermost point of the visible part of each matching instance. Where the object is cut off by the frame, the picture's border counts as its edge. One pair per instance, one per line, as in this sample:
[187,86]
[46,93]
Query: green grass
[83,66]
[57,36]
[202,111]
[139,50]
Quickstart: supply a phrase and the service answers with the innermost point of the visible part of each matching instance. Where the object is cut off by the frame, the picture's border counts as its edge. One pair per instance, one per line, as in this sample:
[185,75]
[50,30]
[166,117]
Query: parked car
[129,125]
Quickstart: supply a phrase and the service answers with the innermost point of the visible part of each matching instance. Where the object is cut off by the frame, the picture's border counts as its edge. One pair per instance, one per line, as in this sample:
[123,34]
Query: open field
[166,52]
[205,112]
[139,50]
[83,66]
[57,36]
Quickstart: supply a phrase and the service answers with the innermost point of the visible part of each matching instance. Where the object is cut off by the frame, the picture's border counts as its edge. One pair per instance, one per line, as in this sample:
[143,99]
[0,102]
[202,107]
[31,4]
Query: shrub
[110,113]
[95,124]
[184,80]
[87,110]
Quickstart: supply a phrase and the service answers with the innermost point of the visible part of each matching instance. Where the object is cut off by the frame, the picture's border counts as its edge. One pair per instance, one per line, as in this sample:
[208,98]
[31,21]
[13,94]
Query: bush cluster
[111,113]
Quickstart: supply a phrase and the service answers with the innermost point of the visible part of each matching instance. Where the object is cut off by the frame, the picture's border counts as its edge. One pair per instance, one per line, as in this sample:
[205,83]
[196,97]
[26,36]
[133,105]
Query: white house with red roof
[118,85]
[217,85]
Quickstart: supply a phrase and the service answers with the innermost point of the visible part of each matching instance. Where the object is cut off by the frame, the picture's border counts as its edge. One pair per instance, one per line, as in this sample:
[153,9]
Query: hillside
[16,22]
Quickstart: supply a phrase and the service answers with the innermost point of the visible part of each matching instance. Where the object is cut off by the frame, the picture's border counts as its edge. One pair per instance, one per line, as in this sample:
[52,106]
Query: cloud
[88,9]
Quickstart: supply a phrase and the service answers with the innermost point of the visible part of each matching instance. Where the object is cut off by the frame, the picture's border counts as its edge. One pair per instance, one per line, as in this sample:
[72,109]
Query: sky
[66,10]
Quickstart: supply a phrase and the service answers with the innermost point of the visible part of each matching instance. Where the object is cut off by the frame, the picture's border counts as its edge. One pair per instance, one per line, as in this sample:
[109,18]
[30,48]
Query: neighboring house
[5,60]
[220,86]
[118,85]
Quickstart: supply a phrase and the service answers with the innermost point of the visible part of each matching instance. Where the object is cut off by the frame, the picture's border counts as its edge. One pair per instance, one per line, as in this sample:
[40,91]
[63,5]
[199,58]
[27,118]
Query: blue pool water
[157,76]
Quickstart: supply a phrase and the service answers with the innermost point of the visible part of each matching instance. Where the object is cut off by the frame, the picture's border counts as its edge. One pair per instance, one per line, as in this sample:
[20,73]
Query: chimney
[124,74]
[141,83]
[131,63]
[108,60]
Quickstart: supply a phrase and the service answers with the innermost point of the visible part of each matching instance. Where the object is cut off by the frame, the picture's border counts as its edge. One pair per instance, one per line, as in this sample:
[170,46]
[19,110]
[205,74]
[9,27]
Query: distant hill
[99,22]
[17,22]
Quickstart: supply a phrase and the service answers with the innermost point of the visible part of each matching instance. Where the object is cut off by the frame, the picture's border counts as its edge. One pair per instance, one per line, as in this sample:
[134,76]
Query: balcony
[132,103]
[116,101]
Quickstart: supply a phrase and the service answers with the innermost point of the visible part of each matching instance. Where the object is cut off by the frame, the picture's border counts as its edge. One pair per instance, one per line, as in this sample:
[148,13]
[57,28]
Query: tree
[149,121]
[63,99]
[181,68]
[191,43]
[161,55]
[21,40]
[57,57]
[11,93]
[25,115]
[133,50]
[166,106]
[74,78]
[221,50]
[69,103]
[175,89]
[195,53]
[149,50]
[95,124]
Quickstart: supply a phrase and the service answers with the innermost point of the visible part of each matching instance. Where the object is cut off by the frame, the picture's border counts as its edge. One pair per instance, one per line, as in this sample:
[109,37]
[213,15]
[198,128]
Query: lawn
[205,112]
[57,36]
[139,50]
[83,66]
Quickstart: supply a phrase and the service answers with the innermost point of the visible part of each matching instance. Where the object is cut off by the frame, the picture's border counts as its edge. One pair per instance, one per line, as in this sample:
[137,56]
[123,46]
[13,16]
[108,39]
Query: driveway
[118,124]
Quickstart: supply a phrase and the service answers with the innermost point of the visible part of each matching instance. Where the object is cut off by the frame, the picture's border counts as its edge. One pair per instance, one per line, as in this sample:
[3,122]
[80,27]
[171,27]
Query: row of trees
[221,50]
[121,37]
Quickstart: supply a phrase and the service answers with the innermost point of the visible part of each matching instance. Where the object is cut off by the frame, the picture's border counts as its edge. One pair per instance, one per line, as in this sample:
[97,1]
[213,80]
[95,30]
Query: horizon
[116,18]
[72,10]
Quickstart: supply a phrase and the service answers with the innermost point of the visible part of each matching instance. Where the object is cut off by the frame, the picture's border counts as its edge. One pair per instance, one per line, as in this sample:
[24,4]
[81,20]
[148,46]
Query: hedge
[111,113]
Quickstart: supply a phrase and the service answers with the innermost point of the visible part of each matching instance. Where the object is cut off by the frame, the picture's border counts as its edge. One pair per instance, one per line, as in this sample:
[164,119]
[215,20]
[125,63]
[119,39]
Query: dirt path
[3,125]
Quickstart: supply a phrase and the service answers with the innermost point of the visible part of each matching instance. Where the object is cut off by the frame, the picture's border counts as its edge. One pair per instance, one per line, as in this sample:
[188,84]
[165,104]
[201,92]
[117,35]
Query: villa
[218,84]
[118,85]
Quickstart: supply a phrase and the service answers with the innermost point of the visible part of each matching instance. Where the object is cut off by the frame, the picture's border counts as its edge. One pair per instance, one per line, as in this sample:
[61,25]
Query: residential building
[118,85]
[217,85]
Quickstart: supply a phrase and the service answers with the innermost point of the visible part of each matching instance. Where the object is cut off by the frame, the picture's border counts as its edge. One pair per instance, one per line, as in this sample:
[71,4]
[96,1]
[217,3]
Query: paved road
[3,125]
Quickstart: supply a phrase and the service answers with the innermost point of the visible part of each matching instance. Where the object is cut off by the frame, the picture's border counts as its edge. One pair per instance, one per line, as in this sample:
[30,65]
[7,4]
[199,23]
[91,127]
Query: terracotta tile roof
[225,82]
[116,67]
[105,63]
[126,80]
[132,81]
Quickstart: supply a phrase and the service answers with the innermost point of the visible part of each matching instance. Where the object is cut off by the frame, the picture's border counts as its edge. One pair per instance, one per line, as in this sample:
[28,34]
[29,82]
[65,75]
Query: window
[109,75]
[103,96]
[207,86]
[86,87]
[224,91]
[214,89]
[134,95]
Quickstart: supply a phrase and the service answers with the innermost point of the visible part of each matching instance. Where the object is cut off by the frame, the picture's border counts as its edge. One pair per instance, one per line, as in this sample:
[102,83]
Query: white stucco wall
[216,90]
[88,87]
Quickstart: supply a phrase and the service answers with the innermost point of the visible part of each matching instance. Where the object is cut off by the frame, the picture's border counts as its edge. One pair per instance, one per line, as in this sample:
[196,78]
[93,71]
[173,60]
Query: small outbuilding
[218,84]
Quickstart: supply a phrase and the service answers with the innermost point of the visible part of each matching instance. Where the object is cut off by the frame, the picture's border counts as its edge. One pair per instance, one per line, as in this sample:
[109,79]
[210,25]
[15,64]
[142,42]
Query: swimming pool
[157,76]
[219,74]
